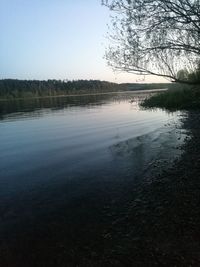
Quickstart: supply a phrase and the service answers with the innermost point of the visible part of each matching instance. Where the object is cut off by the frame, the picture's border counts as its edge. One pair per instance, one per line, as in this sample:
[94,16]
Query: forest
[13,88]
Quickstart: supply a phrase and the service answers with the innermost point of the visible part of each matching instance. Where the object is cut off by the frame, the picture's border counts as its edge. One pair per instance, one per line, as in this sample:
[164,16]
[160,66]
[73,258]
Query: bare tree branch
[155,37]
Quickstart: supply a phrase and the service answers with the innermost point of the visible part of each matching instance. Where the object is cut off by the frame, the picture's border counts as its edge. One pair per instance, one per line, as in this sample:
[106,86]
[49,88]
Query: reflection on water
[55,150]
[35,107]
[38,106]
[56,139]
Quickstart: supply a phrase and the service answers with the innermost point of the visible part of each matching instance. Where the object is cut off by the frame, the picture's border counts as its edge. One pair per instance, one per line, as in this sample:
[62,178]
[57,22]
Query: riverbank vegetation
[182,99]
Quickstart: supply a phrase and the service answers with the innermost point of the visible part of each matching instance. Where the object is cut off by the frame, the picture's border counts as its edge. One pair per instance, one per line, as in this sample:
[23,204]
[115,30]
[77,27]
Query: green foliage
[190,77]
[177,99]
[194,76]
[10,88]
[183,75]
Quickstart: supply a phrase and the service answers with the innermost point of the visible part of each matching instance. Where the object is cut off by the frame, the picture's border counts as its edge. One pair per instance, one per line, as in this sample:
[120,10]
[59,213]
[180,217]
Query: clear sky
[56,39]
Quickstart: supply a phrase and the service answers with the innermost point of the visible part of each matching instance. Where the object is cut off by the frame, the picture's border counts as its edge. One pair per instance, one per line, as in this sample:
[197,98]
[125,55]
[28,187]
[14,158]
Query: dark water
[61,139]
[63,159]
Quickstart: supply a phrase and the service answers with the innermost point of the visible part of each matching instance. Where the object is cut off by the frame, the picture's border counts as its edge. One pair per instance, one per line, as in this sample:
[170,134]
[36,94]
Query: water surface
[57,153]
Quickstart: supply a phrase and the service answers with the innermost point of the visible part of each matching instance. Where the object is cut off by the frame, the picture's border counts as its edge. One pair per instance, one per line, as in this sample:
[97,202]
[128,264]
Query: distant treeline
[13,88]
[10,88]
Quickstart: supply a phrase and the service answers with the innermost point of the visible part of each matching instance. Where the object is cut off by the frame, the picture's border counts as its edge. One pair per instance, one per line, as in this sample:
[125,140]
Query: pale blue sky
[55,39]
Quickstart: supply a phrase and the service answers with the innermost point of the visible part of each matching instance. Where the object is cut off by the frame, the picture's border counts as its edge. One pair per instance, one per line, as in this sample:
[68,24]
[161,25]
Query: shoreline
[161,224]
[87,94]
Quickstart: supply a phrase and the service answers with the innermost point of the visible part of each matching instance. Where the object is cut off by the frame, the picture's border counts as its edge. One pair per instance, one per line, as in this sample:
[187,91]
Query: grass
[174,99]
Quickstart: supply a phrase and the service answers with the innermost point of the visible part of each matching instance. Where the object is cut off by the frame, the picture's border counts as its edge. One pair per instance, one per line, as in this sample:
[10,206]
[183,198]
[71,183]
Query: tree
[155,37]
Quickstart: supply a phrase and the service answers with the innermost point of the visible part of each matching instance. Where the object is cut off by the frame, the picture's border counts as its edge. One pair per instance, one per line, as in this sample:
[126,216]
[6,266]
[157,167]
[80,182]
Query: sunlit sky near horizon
[56,39]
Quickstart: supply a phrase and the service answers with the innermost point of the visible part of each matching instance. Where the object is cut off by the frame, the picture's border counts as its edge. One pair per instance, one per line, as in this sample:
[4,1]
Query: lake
[65,160]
